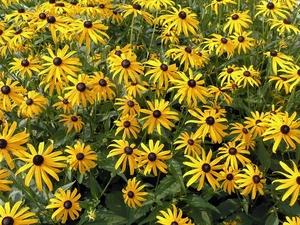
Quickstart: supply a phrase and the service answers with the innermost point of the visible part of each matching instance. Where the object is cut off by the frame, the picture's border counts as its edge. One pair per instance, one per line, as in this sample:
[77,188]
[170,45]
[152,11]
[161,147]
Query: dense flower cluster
[174,112]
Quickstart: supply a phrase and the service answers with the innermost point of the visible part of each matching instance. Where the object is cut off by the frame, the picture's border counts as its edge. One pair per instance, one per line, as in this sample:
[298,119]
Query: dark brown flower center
[73,3]
[246,73]
[118,53]
[8,221]
[190,142]
[206,167]
[51,19]
[125,63]
[126,124]
[182,15]
[24,63]
[68,204]
[192,83]
[130,194]
[19,31]
[188,49]
[130,103]
[57,61]
[285,129]
[137,6]
[42,16]
[210,120]
[51,1]
[5,90]
[81,87]
[229,176]
[21,10]
[66,101]
[3,143]
[128,150]
[74,118]
[224,40]
[273,53]
[174,223]
[257,122]
[232,151]
[235,16]
[80,156]
[60,4]
[164,67]
[102,6]
[102,82]
[1,31]
[152,156]
[29,101]
[156,113]
[287,21]
[298,180]
[241,39]
[88,24]
[256,179]
[245,130]
[229,70]
[38,160]
[298,72]
[270,5]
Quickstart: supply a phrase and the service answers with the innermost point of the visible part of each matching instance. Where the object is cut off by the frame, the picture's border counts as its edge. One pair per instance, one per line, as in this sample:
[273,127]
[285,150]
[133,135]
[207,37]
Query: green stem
[108,183]
[152,36]
[131,32]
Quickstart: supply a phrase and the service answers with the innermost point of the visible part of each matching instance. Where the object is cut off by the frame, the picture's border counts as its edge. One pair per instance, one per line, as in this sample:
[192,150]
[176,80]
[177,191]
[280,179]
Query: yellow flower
[237,21]
[283,26]
[190,144]
[136,9]
[129,125]
[3,181]
[72,121]
[128,105]
[228,176]
[246,76]
[172,217]
[219,44]
[271,9]
[26,66]
[279,59]
[292,221]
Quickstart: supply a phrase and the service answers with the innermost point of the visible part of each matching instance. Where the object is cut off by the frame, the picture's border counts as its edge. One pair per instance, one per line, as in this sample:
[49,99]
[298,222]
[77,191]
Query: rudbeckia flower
[168,36]
[41,164]
[291,75]
[279,59]
[81,157]
[252,181]
[13,215]
[159,115]
[128,105]
[202,168]
[21,35]
[172,217]
[63,104]
[237,21]
[182,20]
[284,26]
[155,4]
[129,125]
[3,180]
[135,9]
[256,124]
[12,143]
[241,133]
[283,128]
[272,9]
[228,176]
[219,93]
[32,105]
[219,44]
[133,194]
[189,143]
[133,89]
[152,158]
[128,154]
[246,76]
[218,3]
[65,204]
[292,221]
[190,88]
[26,66]
[226,74]
[281,82]
[209,122]
[61,64]
[72,121]
[242,41]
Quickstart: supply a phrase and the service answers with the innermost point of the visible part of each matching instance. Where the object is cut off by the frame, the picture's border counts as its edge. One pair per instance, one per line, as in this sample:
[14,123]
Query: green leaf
[175,170]
[288,210]
[115,203]
[263,156]
[198,202]
[167,187]
[135,214]
[155,212]
[95,187]
[272,219]
[228,207]
[67,186]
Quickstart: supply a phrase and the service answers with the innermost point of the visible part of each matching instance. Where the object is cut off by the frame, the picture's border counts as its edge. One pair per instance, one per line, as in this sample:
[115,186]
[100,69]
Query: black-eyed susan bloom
[291,182]
[228,176]
[219,3]
[81,157]
[256,124]
[272,9]
[279,59]
[189,143]
[242,133]
[129,125]
[209,122]
[295,220]
[133,195]
[247,75]
[203,169]
[159,115]
[61,64]
[41,164]
[226,74]
[284,26]
[283,128]
[79,93]
[136,9]
[128,154]
[237,21]
[190,88]
[26,66]
[72,121]
[172,217]
[4,182]
[65,205]
[63,104]
[153,157]
[128,105]
[156,4]
[32,105]
[252,181]
[11,143]
[13,215]
[291,75]
[220,44]
[182,20]
[242,41]
[233,153]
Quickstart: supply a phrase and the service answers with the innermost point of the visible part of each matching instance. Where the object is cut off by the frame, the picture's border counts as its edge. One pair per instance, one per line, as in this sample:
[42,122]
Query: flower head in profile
[132,194]
[182,20]
[251,180]
[219,3]
[174,216]
[65,204]
[33,104]
[159,115]
[41,164]
[237,21]
[291,182]
[81,157]
[13,215]
[153,157]
[189,143]
[129,125]
[241,133]
[72,121]
[11,144]
[136,9]
[203,169]
[128,154]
